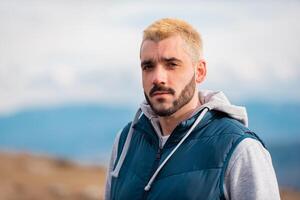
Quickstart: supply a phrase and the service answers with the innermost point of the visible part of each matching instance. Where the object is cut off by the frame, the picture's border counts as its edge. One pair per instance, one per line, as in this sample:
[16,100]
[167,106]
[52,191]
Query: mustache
[161,88]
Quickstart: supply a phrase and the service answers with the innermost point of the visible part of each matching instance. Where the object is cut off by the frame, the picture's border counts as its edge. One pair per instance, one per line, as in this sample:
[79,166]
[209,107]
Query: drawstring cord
[200,117]
[116,171]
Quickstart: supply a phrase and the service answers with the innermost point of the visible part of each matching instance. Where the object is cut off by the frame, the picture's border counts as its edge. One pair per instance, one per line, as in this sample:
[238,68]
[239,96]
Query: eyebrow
[147,62]
[171,59]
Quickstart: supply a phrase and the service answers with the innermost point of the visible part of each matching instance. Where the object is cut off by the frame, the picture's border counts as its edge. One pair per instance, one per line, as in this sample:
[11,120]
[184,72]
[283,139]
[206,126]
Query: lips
[160,93]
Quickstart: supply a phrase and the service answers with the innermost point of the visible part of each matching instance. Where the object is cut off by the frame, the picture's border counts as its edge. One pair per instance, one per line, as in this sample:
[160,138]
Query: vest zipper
[157,156]
[155,166]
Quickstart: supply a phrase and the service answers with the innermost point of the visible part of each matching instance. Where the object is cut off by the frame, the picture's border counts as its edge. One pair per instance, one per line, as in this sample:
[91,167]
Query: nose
[159,75]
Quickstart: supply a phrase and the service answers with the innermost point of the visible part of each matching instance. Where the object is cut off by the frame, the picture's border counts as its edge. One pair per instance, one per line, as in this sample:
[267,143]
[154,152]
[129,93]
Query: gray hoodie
[249,175]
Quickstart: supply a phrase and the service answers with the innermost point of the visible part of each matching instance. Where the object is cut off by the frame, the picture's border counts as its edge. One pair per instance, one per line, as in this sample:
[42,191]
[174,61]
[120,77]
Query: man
[184,143]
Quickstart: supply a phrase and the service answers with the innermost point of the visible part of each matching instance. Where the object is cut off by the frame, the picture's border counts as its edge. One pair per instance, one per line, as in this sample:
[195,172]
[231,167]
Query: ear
[200,71]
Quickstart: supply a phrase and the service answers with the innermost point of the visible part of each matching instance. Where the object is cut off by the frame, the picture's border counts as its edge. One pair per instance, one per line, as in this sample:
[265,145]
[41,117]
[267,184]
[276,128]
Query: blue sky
[54,52]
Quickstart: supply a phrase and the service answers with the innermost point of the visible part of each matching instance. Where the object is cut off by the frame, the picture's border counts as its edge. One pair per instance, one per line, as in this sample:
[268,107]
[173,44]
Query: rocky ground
[29,177]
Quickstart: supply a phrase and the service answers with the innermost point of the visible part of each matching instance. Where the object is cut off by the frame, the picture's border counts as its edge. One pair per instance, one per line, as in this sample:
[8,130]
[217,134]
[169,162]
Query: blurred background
[70,80]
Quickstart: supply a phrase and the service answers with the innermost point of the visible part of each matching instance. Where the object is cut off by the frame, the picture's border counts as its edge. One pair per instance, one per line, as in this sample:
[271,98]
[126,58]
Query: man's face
[168,75]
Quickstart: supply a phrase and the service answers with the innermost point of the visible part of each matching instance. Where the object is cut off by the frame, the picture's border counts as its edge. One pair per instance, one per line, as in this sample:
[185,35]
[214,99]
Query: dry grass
[24,176]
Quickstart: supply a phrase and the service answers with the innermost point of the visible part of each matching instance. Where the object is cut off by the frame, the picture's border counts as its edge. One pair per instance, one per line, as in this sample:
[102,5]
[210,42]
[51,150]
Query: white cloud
[61,51]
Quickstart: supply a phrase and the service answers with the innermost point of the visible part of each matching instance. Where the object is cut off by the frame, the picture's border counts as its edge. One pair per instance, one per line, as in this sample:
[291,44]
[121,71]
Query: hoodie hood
[210,99]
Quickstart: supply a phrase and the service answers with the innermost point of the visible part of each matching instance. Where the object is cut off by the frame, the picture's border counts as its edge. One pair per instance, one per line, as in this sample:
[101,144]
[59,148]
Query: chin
[161,105]
[162,110]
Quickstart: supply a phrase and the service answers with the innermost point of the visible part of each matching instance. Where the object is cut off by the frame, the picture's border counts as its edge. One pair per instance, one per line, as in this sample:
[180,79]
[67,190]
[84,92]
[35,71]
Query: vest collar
[144,125]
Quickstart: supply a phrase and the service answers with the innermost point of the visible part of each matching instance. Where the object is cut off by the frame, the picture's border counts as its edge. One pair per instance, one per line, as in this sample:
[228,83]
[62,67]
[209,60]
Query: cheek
[145,83]
[184,81]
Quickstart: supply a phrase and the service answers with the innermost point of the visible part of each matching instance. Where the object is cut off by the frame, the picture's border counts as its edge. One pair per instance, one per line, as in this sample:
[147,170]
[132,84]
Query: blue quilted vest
[195,171]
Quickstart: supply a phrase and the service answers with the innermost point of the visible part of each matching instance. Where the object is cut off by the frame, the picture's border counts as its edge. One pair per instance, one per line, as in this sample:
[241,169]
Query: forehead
[173,46]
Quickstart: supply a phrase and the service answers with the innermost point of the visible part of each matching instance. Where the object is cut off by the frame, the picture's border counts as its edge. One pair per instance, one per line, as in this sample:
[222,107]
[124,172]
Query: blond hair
[168,27]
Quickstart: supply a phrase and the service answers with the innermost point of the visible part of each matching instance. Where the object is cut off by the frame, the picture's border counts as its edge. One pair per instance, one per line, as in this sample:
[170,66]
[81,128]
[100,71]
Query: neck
[169,123]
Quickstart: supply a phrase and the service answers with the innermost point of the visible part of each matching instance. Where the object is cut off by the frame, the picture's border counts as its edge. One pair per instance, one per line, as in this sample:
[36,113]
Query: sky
[62,52]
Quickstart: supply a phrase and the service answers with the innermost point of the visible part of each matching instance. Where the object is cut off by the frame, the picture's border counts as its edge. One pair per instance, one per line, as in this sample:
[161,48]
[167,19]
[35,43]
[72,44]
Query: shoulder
[226,132]
[228,124]
[124,131]
[121,137]
[221,125]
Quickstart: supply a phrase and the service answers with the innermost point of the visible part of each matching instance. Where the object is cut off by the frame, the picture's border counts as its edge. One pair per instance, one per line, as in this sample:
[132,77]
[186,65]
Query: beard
[185,97]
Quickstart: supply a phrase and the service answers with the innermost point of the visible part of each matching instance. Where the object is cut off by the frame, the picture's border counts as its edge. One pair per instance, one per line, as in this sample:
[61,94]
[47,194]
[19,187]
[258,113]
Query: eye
[172,64]
[147,67]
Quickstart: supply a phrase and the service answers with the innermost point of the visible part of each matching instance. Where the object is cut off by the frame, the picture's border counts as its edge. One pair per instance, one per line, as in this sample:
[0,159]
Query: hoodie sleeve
[250,174]
[112,161]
